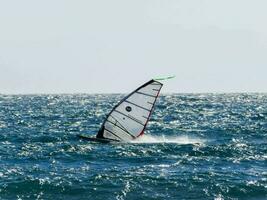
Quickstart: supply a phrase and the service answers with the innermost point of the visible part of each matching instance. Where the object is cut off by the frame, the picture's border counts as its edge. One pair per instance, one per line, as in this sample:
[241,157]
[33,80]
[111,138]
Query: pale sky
[104,46]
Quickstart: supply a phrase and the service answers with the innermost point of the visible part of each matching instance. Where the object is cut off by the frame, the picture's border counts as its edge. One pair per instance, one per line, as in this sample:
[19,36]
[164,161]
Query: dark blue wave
[198,146]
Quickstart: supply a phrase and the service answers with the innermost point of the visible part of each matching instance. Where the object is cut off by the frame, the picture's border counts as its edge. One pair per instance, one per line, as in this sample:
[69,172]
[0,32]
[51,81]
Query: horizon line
[117,93]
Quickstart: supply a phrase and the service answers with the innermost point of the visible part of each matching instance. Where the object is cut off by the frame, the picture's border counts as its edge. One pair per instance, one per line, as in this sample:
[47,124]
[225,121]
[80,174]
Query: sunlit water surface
[201,146]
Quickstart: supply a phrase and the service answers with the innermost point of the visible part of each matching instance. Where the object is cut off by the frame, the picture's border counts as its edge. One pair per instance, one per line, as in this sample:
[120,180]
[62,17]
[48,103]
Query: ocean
[196,146]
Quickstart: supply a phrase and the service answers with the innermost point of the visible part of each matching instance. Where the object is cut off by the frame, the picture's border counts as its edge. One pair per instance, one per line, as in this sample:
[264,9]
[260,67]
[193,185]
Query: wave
[184,139]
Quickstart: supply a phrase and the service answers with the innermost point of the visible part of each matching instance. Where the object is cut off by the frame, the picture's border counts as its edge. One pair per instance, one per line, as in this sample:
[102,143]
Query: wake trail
[184,139]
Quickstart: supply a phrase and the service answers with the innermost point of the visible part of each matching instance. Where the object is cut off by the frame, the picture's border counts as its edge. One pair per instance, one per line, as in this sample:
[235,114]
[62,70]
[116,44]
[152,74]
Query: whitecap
[124,192]
[172,139]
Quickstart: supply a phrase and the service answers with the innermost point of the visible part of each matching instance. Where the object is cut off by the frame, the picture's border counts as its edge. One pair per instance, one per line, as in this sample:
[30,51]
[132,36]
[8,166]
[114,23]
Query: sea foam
[184,139]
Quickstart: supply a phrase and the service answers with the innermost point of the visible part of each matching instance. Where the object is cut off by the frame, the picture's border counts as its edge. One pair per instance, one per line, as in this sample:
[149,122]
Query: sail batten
[123,129]
[112,133]
[137,105]
[129,118]
[146,94]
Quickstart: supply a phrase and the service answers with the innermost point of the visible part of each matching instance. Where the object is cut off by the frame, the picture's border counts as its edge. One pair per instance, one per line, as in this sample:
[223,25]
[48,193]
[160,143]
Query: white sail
[129,118]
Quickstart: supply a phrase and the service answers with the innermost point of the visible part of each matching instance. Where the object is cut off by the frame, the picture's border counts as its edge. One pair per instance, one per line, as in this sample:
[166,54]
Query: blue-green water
[197,147]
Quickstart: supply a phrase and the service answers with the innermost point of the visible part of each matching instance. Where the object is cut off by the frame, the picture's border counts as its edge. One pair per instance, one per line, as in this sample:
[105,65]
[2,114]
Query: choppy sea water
[197,146]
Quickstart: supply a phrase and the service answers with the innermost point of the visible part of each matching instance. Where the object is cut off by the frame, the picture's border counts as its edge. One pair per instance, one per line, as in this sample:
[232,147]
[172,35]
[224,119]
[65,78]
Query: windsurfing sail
[129,118]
